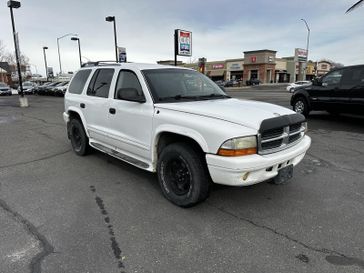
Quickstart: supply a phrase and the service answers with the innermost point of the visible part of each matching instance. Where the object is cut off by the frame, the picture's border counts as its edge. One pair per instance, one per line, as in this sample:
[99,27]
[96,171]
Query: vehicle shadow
[342,122]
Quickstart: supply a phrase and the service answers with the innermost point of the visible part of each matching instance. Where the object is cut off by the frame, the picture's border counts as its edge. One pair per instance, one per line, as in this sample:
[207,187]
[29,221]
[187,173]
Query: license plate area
[284,175]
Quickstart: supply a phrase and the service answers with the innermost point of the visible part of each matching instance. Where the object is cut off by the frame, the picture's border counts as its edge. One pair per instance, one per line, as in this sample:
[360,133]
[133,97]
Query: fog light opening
[245,176]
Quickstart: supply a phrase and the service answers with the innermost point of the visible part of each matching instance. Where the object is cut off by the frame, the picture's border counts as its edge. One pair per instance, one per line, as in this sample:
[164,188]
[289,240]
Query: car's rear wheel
[300,106]
[183,175]
[79,139]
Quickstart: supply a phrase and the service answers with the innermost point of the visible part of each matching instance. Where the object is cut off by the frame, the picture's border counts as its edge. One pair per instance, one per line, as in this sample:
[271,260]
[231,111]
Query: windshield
[3,84]
[27,84]
[180,85]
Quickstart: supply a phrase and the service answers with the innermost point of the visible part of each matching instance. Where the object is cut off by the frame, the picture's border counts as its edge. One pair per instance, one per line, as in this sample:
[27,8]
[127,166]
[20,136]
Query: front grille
[272,133]
[275,139]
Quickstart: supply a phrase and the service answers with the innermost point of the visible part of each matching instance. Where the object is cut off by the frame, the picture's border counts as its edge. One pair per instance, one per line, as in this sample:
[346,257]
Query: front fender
[301,93]
[179,130]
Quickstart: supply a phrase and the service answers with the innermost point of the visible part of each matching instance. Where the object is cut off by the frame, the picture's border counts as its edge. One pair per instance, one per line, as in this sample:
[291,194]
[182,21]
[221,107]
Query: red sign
[253,59]
[218,66]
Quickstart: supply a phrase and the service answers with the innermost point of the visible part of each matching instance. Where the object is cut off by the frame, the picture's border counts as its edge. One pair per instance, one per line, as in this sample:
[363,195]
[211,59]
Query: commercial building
[262,65]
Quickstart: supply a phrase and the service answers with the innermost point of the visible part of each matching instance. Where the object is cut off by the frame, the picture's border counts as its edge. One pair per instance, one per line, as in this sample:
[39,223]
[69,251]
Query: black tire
[334,112]
[300,106]
[183,175]
[78,137]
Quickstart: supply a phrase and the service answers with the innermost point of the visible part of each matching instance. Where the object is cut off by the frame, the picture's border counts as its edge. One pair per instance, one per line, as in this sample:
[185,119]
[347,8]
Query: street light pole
[45,61]
[79,48]
[59,53]
[15,5]
[112,19]
[307,45]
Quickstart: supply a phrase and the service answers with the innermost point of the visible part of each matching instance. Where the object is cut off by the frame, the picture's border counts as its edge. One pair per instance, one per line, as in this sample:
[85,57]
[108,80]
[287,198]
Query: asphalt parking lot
[64,213]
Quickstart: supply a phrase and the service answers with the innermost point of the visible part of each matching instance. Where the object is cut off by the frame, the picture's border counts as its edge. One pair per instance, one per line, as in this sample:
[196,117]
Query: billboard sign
[184,42]
[300,54]
[122,54]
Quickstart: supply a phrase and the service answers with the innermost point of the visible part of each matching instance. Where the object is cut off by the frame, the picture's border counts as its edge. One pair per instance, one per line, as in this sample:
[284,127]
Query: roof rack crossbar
[98,63]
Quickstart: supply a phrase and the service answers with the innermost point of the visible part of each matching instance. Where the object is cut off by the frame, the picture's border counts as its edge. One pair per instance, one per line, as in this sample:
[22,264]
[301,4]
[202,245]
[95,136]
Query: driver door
[321,94]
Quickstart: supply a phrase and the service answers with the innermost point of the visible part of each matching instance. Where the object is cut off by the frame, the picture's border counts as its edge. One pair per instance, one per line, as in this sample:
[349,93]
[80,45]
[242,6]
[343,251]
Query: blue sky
[221,29]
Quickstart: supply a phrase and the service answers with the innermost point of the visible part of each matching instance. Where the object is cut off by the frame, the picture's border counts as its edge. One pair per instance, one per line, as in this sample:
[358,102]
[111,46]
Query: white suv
[180,124]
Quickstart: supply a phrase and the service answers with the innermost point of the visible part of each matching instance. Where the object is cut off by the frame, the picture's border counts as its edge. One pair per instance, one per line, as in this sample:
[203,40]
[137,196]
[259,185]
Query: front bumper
[253,169]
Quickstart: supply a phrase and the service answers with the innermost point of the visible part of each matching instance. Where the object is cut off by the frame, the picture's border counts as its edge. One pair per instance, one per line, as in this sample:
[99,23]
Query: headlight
[239,146]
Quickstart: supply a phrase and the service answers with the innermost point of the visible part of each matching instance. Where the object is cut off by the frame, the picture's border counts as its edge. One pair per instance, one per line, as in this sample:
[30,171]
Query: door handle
[82,105]
[112,111]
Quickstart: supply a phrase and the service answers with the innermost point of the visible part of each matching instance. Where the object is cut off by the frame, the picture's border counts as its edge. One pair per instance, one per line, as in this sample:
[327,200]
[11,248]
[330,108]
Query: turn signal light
[240,152]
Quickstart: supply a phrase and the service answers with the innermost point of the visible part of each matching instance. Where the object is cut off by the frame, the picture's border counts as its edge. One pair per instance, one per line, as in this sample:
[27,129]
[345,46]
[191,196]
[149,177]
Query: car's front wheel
[79,139]
[183,175]
[300,106]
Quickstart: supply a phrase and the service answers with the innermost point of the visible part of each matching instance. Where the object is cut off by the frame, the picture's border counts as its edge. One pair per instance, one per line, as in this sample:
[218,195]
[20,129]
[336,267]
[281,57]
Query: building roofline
[259,51]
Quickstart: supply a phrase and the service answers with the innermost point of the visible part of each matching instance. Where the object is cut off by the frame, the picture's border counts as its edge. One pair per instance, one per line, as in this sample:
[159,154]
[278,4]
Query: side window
[100,83]
[352,78]
[128,80]
[332,78]
[78,81]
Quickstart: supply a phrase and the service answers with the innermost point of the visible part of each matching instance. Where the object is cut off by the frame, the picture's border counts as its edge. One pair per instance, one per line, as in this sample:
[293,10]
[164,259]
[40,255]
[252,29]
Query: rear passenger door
[131,121]
[95,104]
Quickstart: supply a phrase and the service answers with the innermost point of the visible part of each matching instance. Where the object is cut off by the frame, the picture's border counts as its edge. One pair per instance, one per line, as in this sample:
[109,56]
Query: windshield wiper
[178,97]
[214,95]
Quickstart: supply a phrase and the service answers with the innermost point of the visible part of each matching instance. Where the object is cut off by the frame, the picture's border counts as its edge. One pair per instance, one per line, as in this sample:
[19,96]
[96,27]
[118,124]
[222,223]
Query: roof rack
[99,63]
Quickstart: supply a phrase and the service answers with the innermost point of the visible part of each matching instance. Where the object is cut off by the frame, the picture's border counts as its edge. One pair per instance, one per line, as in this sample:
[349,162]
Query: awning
[216,73]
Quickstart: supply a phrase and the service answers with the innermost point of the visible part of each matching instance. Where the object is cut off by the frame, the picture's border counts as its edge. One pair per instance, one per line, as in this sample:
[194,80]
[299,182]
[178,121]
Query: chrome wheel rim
[299,107]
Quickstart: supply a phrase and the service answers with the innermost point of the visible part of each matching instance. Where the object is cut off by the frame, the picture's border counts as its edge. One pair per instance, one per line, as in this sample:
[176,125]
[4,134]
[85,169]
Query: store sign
[122,54]
[235,66]
[300,54]
[218,66]
[184,42]
[253,59]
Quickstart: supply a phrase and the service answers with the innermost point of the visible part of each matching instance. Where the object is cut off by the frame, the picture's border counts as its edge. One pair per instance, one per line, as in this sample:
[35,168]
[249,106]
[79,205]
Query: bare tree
[2,52]
[356,5]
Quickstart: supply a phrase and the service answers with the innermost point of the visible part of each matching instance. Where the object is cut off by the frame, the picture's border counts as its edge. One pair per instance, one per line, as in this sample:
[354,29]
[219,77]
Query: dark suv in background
[339,91]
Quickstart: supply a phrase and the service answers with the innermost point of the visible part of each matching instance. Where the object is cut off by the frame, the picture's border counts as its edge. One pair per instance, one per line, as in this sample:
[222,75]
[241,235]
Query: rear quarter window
[78,81]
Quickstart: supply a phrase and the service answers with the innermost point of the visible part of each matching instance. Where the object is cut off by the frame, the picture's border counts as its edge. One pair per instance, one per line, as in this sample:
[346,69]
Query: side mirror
[129,94]
[317,82]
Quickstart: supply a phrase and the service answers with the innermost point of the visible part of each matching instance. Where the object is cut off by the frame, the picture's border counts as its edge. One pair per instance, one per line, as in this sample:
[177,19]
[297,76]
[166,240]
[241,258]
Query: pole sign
[122,54]
[184,42]
[300,55]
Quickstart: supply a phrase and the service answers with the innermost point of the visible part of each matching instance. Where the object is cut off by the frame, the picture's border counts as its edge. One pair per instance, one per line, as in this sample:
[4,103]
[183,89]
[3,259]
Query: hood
[243,112]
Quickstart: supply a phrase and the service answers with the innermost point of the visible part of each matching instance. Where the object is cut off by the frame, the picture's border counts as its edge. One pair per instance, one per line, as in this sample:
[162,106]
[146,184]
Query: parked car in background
[40,87]
[220,83]
[5,90]
[231,83]
[253,82]
[291,87]
[339,91]
[59,90]
[27,87]
[45,90]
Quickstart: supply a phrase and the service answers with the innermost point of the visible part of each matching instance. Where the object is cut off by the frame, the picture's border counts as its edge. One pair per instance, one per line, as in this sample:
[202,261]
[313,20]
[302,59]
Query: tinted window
[78,81]
[333,78]
[352,77]
[100,83]
[128,79]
